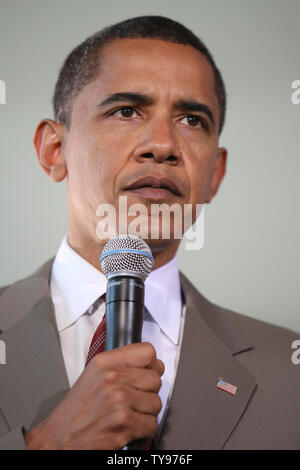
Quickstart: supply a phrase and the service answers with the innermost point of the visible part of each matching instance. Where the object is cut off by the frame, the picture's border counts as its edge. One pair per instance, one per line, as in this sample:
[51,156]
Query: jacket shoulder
[264,336]
[3,288]
[18,298]
[43,271]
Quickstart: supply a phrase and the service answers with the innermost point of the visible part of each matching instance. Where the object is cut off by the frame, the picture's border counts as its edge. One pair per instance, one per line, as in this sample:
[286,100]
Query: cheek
[101,170]
[199,153]
[92,170]
[199,178]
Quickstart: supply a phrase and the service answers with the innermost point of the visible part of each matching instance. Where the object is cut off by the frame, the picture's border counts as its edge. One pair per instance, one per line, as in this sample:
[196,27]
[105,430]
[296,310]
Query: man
[139,108]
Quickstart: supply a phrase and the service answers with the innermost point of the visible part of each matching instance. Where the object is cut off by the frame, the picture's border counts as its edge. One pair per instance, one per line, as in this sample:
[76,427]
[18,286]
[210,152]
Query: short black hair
[81,67]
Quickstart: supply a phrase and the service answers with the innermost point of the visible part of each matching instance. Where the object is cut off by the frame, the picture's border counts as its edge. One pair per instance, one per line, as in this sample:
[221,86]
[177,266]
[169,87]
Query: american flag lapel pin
[226,386]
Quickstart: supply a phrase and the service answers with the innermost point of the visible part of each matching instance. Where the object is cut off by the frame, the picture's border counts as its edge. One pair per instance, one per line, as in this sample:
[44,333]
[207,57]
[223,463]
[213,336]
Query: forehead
[164,70]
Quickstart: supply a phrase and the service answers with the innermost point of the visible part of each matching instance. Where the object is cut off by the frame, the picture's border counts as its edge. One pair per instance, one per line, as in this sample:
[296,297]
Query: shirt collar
[163,298]
[79,284]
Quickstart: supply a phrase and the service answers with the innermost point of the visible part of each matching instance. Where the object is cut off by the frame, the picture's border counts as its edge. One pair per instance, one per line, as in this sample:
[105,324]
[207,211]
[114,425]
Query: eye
[195,121]
[126,112]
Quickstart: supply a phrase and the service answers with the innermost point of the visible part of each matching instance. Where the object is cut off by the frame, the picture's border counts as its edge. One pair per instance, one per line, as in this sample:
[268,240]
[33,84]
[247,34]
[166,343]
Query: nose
[159,142]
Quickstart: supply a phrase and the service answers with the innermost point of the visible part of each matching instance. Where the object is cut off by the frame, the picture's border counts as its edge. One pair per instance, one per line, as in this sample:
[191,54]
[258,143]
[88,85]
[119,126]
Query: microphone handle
[124,321]
[124,311]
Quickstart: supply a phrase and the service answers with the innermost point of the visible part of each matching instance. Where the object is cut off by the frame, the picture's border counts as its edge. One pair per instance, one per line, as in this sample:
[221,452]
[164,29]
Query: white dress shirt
[75,285]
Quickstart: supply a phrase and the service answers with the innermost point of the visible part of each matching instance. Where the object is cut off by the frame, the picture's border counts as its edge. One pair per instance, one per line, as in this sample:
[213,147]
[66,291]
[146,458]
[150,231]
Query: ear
[218,174]
[48,140]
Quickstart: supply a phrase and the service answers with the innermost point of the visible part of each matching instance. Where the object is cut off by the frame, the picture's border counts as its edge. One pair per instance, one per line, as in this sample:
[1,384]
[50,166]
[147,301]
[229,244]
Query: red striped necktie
[98,345]
[98,341]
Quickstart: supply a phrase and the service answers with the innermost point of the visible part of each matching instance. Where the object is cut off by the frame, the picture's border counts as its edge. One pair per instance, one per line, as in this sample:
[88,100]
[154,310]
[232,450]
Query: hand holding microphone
[115,400]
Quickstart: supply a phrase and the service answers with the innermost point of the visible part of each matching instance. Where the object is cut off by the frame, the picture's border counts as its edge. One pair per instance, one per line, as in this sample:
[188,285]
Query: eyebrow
[187,105]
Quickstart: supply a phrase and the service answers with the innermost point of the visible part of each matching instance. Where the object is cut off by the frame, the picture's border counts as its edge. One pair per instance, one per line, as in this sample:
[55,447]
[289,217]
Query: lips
[155,187]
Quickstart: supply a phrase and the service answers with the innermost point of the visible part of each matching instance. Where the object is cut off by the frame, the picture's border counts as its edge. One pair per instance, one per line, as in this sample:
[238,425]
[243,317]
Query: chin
[158,245]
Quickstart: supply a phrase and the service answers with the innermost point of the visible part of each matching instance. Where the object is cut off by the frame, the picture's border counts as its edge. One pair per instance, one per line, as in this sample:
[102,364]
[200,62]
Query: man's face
[162,134]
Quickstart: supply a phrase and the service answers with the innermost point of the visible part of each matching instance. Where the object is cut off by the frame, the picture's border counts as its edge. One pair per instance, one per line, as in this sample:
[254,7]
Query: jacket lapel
[200,415]
[35,368]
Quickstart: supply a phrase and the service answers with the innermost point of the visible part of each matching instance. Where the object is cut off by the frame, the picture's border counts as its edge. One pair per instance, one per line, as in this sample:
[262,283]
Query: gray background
[249,262]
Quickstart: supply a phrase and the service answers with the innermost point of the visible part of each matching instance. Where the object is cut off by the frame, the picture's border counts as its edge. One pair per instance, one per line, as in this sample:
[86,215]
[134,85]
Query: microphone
[126,261]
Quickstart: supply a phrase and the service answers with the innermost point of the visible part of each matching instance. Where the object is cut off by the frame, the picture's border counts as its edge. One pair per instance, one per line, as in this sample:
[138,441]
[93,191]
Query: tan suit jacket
[217,343]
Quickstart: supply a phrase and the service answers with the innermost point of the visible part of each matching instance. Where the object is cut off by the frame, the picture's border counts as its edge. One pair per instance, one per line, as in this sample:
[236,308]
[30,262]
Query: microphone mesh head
[133,261]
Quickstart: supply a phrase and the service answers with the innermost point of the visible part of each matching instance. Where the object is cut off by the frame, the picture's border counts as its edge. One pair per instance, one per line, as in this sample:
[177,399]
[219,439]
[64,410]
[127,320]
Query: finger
[119,427]
[144,379]
[145,426]
[158,366]
[132,425]
[131,355]
[146,402]
[128,398]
